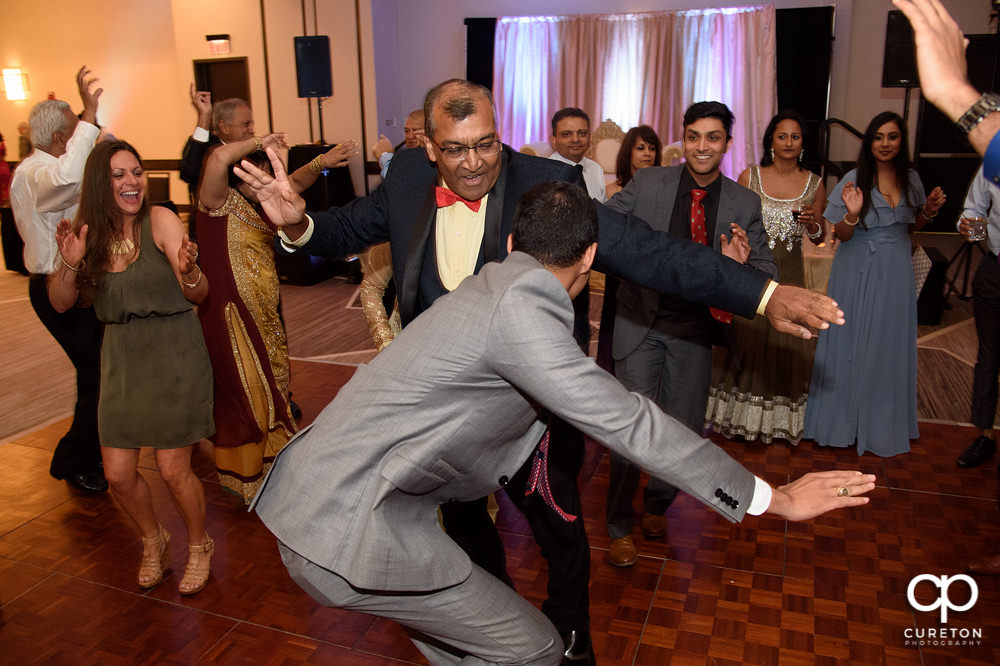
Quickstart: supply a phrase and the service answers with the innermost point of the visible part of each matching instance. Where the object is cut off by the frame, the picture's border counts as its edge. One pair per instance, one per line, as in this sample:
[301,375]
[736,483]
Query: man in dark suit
[663,344]
[230,120]
[353,500]
[446,212]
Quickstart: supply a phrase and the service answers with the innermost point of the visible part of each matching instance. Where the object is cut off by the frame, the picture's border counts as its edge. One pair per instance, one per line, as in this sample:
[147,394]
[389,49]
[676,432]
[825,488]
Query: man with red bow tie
[446,212]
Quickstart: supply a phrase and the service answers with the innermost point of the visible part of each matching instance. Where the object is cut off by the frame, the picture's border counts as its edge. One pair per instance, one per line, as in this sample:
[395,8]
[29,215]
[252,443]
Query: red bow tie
[446,197]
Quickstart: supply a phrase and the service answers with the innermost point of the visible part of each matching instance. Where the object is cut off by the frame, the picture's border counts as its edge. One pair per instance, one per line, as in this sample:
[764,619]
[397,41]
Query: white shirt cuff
[762,306]
[200,134]
[761,497]
[292,245]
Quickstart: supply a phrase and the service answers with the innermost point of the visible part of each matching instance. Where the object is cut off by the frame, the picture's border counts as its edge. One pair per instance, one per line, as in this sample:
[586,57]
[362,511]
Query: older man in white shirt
[45,189]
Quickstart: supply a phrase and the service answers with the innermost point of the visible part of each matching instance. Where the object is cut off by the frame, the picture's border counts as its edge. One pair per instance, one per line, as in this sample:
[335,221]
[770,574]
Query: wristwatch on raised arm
[983,107]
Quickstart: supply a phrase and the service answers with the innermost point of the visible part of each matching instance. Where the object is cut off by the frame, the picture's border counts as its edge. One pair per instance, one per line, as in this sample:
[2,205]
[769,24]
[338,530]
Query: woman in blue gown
[864,381]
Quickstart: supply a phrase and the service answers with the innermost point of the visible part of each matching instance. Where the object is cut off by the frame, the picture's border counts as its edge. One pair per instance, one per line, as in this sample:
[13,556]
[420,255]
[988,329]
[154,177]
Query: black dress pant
[563,544]
[986,308]
[78,332]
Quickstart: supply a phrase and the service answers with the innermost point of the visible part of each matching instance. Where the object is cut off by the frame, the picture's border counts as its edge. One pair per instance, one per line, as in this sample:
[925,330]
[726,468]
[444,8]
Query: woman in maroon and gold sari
[243,331]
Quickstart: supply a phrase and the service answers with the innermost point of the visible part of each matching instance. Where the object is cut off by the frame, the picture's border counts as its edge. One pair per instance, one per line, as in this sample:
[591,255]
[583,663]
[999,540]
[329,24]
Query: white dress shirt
[593,175]
[46,189]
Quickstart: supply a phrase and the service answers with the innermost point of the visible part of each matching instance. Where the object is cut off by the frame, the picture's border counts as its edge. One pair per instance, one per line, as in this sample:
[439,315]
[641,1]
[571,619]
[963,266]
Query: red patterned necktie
[446,197]
[698,235]
[540,478]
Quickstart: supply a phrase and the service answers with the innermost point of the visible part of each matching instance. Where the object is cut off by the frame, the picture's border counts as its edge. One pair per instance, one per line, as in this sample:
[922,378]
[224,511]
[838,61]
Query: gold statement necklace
[121,247]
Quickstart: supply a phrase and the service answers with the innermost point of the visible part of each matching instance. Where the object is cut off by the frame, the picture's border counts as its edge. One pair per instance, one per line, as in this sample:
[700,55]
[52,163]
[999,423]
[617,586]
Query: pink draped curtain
[638,69]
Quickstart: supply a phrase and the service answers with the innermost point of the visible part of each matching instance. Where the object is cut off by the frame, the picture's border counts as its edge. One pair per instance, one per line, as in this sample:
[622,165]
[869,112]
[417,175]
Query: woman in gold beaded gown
[761,390]
[240,320]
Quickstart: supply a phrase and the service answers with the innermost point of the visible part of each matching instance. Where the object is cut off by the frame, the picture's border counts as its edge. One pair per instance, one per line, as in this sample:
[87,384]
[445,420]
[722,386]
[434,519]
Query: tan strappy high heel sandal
[155,556]
[199,566]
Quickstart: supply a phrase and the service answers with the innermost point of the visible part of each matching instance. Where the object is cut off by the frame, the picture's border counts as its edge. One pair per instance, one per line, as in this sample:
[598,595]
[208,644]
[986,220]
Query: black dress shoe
[578,648]
[89,482]
[981,450]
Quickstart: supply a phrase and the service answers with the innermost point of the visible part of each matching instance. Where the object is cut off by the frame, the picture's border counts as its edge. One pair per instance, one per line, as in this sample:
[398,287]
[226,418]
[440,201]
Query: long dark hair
[867,169]
[623,163]
[100,212]
[767,157]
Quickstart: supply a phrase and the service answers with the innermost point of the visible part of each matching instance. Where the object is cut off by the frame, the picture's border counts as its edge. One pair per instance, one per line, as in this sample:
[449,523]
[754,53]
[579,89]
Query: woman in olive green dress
[137,266]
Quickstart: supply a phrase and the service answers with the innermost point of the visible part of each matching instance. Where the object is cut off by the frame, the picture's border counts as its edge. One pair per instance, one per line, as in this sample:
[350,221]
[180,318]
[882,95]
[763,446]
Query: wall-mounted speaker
[899,64]
[312,66]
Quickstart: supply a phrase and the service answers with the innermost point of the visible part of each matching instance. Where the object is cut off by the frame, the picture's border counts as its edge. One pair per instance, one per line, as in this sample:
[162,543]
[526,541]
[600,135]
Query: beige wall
[142,50]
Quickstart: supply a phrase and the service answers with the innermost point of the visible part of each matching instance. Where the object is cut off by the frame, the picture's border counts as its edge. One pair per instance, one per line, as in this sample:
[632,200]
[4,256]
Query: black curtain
[804,45]
[479,37]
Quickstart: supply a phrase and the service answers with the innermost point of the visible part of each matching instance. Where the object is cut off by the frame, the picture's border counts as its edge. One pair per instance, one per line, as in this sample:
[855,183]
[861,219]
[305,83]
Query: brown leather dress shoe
[653,526]
[622,552]
[986,566]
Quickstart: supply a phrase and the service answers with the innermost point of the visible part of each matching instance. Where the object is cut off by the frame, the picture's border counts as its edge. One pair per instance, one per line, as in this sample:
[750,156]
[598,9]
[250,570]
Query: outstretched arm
[530,347]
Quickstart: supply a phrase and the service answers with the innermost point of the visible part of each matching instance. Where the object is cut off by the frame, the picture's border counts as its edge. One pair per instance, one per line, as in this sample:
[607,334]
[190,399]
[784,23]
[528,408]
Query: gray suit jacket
[650,195]
[449,411]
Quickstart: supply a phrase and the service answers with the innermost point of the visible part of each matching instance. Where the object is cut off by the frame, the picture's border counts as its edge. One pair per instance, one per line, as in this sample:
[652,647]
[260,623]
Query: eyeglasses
[458,153]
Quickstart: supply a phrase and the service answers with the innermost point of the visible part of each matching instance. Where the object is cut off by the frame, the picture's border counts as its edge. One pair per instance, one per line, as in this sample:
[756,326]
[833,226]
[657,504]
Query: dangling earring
[802,154]
[770,153]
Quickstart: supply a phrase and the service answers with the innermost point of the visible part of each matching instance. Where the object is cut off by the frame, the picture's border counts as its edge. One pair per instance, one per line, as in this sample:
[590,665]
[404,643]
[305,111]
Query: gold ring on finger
[842,491]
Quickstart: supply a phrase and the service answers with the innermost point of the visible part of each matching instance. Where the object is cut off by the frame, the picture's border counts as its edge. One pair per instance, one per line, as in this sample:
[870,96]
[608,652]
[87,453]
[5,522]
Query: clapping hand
[187,255]
[737,249]
[383,145]
[934,202]
[853,198]
[72,246]
[283,205]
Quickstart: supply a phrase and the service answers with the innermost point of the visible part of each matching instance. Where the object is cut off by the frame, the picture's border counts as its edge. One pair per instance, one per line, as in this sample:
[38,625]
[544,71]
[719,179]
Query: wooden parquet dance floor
[827,591]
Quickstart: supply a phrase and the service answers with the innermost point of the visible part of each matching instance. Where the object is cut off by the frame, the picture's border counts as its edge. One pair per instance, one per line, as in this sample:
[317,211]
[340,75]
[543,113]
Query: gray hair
[46,119]
[223,112]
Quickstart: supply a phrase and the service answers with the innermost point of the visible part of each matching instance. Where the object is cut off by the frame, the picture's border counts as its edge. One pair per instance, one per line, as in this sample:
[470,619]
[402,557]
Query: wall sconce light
[218,44]
[14,83]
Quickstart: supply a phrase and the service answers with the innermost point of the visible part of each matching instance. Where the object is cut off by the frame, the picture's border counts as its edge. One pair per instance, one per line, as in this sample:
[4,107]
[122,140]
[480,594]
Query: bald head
[413,130]
[455,99]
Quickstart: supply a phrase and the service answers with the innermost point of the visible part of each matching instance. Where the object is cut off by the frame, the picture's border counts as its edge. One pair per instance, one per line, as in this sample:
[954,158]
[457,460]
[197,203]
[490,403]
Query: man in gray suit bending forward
[449,412]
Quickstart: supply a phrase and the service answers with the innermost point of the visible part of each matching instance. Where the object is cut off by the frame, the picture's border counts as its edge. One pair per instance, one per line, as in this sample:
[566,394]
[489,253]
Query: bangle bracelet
[75,270]
[258,144]
[819,230]
[316,165]
[923,209]
[196,282]
[848,222]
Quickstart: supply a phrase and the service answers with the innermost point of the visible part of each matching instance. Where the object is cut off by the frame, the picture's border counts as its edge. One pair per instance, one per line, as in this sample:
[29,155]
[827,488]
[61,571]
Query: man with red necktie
[434,248]
[664,346]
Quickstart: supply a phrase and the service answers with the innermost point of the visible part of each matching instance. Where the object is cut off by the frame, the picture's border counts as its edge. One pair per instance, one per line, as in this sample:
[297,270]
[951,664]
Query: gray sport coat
[450,411]
[650,195]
